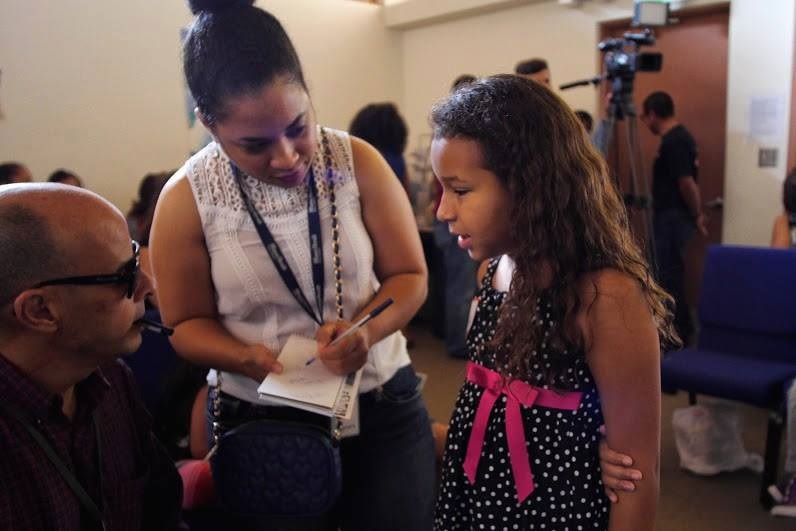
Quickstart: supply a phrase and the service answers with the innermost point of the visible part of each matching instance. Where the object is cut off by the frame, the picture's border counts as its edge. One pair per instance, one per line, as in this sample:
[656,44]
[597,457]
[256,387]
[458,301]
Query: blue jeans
[460,284]
[388,469]
[672,231]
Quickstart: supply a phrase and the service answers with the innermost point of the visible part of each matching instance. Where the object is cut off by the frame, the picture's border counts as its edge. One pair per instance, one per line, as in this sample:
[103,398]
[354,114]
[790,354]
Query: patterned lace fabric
[252,301]
[214,185]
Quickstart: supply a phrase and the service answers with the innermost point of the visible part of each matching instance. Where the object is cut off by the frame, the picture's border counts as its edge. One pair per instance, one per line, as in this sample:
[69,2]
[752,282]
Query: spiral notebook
[310,387]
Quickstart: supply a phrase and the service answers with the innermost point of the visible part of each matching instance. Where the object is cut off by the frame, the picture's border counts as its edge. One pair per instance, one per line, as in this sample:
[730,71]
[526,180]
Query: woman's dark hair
[566,215]
[530,66]
[233,49]
[60,175]
[148,192]
[789,192]
[143,210]
[381,125]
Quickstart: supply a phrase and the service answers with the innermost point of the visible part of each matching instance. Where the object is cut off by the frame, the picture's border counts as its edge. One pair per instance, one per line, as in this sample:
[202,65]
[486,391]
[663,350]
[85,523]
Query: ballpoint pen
[154,326]
[356,326]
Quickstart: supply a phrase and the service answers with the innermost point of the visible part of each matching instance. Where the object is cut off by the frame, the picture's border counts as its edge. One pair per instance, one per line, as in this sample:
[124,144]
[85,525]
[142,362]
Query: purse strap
[63,470]
[336,430]
[336,263]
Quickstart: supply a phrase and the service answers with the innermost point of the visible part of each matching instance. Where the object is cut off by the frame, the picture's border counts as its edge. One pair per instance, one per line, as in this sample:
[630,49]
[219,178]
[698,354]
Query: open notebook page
[312,384]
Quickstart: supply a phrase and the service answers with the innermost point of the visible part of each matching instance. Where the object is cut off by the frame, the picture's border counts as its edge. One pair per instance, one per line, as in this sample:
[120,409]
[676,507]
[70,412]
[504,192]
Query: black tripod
[622,60]
[622,109]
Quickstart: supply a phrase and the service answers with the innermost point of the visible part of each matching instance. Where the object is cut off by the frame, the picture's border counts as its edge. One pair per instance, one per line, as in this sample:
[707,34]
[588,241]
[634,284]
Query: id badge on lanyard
[278,257]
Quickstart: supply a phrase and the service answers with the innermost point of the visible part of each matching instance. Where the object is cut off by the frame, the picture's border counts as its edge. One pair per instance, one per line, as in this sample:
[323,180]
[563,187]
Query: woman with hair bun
[271,166]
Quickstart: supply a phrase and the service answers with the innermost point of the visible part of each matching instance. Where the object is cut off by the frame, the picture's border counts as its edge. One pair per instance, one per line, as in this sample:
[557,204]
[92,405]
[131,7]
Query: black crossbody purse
[278,467]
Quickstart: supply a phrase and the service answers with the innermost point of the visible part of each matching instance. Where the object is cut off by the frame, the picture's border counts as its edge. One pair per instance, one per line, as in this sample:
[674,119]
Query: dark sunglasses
[128,274]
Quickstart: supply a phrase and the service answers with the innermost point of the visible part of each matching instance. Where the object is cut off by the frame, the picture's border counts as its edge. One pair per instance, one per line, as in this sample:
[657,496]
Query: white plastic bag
[708,438]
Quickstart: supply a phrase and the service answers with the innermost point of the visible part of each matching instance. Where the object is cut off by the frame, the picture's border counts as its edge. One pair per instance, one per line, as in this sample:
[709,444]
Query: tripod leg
[639,188]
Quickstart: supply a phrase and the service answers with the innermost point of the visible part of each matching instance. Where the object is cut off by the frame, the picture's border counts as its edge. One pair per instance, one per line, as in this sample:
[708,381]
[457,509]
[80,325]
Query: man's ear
[34,310]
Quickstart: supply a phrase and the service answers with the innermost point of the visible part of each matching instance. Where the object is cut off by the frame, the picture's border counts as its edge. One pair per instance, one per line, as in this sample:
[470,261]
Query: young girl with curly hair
[567,333]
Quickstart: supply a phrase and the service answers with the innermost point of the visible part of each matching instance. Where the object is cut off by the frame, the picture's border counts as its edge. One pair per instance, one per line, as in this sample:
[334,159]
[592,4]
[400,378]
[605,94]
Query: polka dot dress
[562,446]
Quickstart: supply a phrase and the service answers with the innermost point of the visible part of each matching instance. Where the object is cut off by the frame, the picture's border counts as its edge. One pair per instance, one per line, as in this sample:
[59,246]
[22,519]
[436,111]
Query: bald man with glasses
[76,445]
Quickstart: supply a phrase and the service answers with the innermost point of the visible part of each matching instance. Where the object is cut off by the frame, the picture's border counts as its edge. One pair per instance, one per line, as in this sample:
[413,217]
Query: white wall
[493,43]
[761,63]
[96,85]
[760,66]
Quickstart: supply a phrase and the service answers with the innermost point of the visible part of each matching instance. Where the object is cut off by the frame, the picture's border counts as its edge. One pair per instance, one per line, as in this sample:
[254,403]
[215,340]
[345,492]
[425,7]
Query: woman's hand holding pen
[347,356]
[257,362]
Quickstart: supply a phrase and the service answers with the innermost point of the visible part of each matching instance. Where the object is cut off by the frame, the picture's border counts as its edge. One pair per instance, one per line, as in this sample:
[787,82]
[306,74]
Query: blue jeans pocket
[402,388]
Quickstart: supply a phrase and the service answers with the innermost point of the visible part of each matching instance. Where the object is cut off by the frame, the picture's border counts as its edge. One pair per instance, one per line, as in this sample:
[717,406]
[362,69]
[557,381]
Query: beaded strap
[338,274]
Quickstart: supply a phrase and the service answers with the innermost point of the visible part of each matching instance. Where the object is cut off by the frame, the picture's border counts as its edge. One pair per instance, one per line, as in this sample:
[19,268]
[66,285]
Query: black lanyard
[94,510]
[278,258]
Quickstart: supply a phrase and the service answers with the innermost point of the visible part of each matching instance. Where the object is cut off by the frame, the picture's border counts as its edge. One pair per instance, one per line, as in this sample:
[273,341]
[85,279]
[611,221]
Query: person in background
[143,207]
[586,119]
[783,234]
[14,172]
[676,203]
[144,224]
[71,295]
[784,237]
[271,164]
[65,177]
[383,127]
[566,336]
[535,69]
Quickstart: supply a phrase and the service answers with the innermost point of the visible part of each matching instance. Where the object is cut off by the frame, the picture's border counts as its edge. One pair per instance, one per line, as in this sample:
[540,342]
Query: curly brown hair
[567,215]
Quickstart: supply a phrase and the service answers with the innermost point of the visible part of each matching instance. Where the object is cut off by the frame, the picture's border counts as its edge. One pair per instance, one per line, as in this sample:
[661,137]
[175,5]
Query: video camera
[622,56]
[619,62]
[623,60]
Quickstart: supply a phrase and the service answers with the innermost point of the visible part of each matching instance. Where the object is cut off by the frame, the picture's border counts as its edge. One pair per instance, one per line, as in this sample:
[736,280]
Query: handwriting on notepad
[312,383]
[310,387]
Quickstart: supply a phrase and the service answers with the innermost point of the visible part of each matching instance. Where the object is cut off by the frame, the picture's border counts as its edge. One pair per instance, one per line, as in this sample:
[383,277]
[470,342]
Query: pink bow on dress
[517,392]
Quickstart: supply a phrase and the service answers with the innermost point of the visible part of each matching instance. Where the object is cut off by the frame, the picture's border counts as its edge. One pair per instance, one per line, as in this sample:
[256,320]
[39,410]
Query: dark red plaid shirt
[140,486]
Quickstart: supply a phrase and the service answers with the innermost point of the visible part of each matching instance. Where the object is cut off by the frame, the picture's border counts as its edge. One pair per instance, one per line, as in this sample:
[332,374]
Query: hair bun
[213,6]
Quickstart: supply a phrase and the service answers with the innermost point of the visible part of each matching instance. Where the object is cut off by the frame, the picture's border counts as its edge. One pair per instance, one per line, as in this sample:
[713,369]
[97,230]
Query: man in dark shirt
[677,207]
[70,297]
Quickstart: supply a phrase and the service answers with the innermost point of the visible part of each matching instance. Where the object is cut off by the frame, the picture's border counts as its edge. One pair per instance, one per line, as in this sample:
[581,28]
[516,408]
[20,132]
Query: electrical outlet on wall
[767,157]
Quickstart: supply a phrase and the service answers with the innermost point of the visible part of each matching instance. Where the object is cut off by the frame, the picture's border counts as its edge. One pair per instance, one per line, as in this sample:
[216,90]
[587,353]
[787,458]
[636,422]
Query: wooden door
[694,73]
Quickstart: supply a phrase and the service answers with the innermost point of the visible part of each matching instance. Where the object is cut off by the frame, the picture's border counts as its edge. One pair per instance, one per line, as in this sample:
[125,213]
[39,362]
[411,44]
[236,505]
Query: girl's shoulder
[608,282]
[608,297]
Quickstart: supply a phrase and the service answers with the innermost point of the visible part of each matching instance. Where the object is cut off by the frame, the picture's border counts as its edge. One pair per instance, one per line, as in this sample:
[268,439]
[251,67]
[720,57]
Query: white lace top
[252,300]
